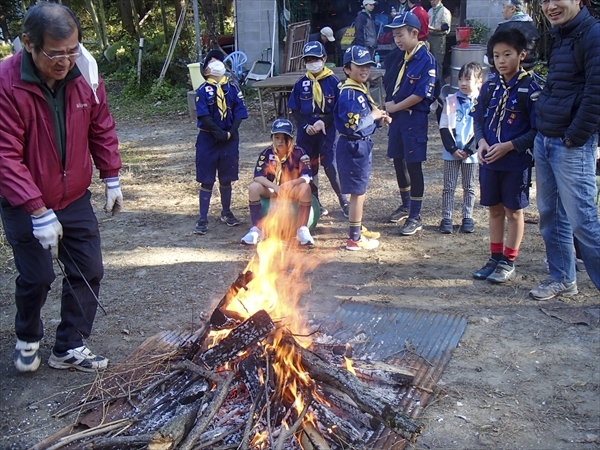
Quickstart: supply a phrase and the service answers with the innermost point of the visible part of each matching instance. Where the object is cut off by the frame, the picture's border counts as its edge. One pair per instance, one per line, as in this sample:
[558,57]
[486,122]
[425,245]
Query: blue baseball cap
[282,126]
[313,48]
[358,55]
[405,19]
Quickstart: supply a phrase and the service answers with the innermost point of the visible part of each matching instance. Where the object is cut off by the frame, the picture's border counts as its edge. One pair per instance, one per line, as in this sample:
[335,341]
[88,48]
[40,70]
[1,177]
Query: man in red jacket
[416,8]
[51,121]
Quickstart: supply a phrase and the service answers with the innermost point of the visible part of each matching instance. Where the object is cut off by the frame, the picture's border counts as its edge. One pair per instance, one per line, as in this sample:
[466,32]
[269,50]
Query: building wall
[487,11]
[254,28]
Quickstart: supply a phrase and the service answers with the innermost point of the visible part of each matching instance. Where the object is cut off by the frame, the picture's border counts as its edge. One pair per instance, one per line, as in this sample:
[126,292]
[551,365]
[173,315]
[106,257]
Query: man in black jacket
[565,148]
[366,29]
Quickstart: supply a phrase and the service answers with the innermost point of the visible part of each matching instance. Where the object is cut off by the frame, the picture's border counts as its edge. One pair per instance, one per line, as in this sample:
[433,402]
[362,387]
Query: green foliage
[479,31]
[541,69]
[5,50]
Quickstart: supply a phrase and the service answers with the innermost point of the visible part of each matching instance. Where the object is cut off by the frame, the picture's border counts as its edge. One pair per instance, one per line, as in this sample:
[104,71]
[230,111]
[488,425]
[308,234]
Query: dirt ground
[519,378]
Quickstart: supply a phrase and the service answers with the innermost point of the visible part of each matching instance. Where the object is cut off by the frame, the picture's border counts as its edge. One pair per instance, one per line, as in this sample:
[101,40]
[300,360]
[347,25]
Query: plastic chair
[236,61]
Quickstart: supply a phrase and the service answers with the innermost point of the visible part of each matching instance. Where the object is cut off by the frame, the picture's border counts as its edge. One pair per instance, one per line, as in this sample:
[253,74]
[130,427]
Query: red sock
[511,254]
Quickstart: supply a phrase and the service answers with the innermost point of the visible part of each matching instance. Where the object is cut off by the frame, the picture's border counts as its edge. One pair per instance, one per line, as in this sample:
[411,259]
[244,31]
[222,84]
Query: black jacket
[366,30]
[569,105]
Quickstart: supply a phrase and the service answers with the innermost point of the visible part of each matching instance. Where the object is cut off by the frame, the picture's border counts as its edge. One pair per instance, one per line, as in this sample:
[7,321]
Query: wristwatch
[567,142]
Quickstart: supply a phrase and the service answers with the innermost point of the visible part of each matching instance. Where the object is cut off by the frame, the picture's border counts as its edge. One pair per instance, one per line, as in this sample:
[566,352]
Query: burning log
[380,372]
[399,422]
[336,429]
[220,319]
[173,432]
[311,439]
[241,338]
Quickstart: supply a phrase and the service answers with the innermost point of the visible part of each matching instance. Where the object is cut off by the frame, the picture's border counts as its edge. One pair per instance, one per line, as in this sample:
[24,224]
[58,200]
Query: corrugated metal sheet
[416,338]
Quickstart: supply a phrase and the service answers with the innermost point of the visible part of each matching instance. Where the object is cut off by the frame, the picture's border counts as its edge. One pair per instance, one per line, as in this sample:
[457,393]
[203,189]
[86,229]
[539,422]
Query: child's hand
[460,154]
[390,106]
[319,127]
[378,114]
[497,151]
[482,149]
[386,120]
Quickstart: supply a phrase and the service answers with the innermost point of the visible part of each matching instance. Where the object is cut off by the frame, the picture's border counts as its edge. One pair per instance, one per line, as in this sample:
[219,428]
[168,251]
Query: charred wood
[204,420]
[337,429]
[397,421]
[241,338]
[380,372]
[128,442]
[172,433]
[221,318]
[249,369]
[312,439]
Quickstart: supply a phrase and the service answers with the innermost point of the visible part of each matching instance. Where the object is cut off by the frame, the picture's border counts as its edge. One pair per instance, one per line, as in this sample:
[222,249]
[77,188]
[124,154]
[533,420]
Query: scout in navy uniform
[282,170]
[220,109]
[409,83]
[312,100]
[356,116]
[504,131]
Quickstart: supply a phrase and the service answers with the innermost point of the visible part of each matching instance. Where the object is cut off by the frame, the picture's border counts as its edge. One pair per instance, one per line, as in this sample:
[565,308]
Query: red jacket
[423,17]
[31,173]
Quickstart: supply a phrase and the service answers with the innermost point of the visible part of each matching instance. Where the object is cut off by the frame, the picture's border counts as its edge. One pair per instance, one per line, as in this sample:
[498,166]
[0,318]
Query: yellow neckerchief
[220,95]
[501,107]
[407,57]
[361,87]
[317,92]
[279,168]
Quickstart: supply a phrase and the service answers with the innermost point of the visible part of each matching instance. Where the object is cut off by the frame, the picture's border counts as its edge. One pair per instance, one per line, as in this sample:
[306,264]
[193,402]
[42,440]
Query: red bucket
[463,35]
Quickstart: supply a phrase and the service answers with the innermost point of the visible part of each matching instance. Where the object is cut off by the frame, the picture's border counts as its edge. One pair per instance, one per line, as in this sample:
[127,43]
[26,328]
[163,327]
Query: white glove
[48,230]
[114,197]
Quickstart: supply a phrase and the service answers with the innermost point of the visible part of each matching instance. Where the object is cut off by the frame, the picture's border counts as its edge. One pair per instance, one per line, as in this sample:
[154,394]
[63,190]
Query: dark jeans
[81,238]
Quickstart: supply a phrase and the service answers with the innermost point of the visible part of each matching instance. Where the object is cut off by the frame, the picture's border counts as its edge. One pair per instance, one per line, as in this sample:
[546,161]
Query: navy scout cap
[217,54]
[282,126]
[313,48]
[405,19]
[358,55]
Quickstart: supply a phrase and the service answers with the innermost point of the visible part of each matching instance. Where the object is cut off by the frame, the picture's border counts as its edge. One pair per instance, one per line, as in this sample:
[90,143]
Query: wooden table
[281,86]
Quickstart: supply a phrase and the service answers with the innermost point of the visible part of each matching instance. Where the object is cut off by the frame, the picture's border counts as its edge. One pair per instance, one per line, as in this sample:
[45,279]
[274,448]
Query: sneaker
[369,234]
[80,358]
[346,209]
[27,357]
[468,226]
[324,211]
[446,226]
[201,227]
[486,270]
[552,288]
[253,237]
[411,226]
[363,243]
[400,214]
[504,272]
[304,237]
[579,265]
[229,219]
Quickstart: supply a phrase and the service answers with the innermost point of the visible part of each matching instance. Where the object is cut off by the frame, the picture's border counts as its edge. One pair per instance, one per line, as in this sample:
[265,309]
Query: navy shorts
[216,156]
[354,160]
[511,188]
[407,137]
[318,147]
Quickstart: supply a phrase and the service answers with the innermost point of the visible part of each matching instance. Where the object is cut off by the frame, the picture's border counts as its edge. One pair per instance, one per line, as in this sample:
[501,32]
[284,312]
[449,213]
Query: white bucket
[195,75]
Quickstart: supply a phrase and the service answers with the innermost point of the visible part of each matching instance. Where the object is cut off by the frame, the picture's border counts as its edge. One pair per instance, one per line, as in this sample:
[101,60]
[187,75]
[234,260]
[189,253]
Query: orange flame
[349,365]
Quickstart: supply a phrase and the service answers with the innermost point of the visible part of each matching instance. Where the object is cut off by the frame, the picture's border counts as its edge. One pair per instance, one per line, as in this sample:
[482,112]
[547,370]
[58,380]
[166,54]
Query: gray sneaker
[400,214]
[551,288]
[503,273]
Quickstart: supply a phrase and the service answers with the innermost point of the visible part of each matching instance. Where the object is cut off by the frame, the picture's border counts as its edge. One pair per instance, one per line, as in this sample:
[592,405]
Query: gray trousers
[467,170]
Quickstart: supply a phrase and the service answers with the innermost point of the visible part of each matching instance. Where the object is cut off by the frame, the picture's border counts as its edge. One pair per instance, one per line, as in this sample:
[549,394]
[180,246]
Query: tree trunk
[102,18]
[4,28]
[163,19]
[126,14]
[178,8]
[208,10]
[92,10]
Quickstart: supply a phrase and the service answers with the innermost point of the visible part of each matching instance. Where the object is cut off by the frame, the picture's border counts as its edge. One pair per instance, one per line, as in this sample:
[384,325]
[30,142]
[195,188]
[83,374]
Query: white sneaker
[303,235]
[27,356]
[253,237]
[80,358]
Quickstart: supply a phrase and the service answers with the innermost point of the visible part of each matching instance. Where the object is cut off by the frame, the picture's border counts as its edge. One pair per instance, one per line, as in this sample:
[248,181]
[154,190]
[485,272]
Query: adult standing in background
[515,16]
[366,31]
[53,125]
[565,148]
[332,47]
[440,19]
[414,6]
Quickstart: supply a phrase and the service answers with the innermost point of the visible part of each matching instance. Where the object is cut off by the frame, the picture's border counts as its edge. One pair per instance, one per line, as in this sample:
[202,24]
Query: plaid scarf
[500,110]
[317,92]
[220,95]
[407,57]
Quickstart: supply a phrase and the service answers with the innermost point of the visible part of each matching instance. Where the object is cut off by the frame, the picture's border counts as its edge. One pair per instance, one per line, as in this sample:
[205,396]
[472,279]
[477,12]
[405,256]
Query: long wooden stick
[100,429]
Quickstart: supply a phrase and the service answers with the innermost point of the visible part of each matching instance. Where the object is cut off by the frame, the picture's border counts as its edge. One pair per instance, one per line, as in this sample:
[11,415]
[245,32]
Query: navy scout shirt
[294,165]
[206,104]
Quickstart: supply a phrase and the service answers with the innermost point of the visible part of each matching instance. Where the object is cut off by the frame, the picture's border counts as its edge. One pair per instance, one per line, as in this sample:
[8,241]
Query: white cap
[328,33]
[369,2]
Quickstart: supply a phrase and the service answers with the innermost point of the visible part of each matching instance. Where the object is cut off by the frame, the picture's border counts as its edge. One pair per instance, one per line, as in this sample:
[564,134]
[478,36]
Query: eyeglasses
[56,58]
